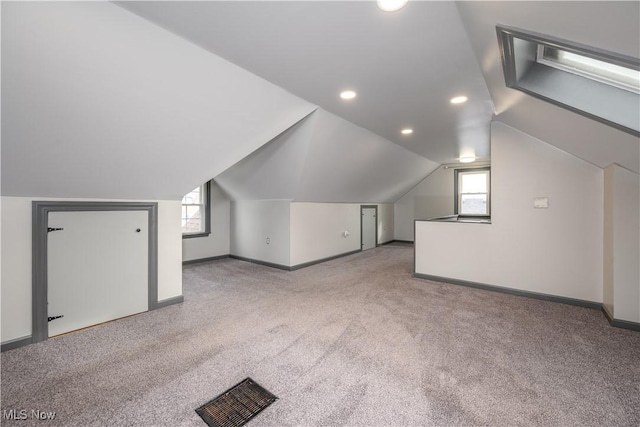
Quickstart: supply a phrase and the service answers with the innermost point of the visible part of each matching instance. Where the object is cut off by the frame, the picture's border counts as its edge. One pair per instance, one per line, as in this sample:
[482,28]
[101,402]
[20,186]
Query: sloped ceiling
[610,25]
[99,103]
[324,158]
[404,65]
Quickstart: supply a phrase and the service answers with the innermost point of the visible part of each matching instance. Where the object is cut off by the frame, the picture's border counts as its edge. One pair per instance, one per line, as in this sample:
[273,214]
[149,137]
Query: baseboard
[624,324]
[266,264]
[15,343]
[199,260]
[310,263]
[295,267]
[518,292]
[170,301]
[398,241]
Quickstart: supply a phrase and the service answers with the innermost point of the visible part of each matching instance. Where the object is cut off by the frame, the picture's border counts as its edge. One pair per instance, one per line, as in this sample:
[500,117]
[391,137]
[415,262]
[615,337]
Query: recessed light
[406,131]
[391,5]
[467,159]
[348,94]
[458,99]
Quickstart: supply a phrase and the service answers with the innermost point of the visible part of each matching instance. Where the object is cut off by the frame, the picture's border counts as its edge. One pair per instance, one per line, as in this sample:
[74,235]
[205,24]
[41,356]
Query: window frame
[457,195]
[206,195]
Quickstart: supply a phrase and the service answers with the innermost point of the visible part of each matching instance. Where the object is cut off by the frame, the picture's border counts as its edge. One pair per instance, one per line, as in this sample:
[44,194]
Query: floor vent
[236,406]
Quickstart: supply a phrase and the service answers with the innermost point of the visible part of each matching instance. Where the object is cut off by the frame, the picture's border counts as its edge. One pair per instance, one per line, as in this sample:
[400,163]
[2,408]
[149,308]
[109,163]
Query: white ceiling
[100,103]
[405,66]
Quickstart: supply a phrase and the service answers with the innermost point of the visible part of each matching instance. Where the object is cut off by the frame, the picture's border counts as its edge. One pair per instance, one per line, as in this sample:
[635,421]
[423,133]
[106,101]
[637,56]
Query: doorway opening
[368,227]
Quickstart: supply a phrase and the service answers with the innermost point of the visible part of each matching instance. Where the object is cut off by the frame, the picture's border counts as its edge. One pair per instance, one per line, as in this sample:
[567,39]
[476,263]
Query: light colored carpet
[352,342]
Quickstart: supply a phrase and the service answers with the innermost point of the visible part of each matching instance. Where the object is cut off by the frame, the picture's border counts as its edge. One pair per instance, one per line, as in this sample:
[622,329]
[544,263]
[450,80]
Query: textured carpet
[356,341]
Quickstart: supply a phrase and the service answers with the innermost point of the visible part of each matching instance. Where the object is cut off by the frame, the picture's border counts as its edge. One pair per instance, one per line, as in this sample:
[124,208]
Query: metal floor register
[236,406]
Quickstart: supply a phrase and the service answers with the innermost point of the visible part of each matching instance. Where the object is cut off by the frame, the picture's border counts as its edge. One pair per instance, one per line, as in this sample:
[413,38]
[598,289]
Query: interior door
[97,267]
[369,236]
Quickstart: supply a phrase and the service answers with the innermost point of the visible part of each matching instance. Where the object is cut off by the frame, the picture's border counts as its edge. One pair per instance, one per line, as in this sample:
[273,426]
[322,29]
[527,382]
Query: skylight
[601,71]
[596,83]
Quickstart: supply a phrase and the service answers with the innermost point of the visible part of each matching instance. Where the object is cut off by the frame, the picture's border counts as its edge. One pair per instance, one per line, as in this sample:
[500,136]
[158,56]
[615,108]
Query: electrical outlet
[541,203]
[268,240]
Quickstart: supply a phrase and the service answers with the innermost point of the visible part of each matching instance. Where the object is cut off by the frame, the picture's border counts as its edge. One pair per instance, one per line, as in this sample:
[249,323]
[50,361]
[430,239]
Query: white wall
[317,230]
[386,223]
[252,222]
[217,243]
[431,198]
[16,260]
[621,248]
[554,251]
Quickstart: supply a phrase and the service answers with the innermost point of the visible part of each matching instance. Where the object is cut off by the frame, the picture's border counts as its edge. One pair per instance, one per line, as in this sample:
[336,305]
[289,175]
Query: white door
[97,267]
[368,228]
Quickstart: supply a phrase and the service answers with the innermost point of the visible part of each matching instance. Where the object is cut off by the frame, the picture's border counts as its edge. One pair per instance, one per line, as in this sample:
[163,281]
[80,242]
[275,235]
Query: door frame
[362,207]
[40,221]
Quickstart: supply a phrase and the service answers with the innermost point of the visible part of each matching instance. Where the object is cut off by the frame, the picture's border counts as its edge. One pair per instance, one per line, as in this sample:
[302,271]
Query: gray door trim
[361,225]
[40,219]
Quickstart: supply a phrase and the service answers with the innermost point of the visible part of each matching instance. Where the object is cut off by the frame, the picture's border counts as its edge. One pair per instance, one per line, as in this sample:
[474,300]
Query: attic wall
[621,244]
[260,230]
[555,251]
[98,102]
[16,260]
[317,229]
[300,232]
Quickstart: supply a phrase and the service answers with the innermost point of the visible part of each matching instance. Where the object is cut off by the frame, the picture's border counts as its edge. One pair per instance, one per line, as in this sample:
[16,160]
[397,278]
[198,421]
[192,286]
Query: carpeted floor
[356,341]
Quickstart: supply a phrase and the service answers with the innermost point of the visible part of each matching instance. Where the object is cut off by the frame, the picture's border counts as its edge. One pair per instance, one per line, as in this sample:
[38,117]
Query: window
[196,212]
[473,192]
[598,84]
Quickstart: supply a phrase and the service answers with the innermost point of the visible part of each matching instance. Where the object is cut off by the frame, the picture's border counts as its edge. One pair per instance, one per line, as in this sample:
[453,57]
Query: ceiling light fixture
[458,99]
[348,94]
[467,159]
[406,131]
[391,5]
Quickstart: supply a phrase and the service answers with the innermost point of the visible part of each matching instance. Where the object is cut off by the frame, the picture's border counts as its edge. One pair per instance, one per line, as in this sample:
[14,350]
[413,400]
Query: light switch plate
[541,202]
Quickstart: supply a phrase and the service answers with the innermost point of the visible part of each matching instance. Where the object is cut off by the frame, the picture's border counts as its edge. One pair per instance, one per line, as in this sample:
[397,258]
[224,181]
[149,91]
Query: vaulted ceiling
[405,66]
[325,158]
[101,102]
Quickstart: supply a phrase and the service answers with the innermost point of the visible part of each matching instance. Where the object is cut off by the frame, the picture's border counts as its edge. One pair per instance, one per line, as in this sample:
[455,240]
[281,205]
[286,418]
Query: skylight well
[599,84]
[605,72]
